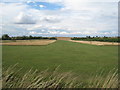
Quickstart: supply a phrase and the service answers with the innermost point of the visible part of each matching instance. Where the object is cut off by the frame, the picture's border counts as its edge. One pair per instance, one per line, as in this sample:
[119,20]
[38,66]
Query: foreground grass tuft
[38,79]
[13,78]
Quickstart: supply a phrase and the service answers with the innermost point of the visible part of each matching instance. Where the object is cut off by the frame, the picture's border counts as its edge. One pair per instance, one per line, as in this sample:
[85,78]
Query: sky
[67,18]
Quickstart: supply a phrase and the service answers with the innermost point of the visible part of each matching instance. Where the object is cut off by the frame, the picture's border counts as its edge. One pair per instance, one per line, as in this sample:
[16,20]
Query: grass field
[81,59]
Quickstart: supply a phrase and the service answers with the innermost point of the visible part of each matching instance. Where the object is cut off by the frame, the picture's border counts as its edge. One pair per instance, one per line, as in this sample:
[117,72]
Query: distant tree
[30,37]
[6,37]
[105,37]
[88,37]
[53,38]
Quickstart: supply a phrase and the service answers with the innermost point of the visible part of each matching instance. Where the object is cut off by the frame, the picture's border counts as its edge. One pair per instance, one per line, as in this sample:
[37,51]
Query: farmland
[95,42]
[27,42]
[81,59]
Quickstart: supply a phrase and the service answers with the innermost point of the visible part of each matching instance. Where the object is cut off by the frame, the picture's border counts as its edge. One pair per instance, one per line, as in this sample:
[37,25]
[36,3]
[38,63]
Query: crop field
[96,42]
[81,59]
[27,42]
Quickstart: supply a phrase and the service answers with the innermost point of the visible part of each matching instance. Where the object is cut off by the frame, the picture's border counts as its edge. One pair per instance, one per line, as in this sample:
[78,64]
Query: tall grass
[12,78]
[102,80]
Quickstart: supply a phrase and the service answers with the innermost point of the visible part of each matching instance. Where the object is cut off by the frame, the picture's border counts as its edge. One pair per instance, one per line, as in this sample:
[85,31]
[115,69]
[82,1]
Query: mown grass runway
[81,59]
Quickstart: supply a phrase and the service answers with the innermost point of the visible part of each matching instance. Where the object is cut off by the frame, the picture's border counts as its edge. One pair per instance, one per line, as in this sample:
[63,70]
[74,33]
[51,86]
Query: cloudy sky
[59,17]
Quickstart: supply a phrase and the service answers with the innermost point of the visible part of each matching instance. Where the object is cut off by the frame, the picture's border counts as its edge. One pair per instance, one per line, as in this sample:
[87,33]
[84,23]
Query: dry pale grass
[28,42]
[64,38]
[104,81]
[96,42]
[11,78]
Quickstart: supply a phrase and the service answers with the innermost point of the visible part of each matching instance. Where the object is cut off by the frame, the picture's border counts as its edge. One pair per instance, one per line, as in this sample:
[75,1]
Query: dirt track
[29,42]
[96,42]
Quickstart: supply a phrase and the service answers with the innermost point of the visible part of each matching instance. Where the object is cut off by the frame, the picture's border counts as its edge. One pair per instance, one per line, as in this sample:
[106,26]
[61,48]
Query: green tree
[6,37]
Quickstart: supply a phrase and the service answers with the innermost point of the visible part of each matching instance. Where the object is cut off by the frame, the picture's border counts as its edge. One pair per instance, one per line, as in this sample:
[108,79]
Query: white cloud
[57,1]
[37,26]
[51,19]
[32,33]
[10,11]
[75,18]
[41,6]
[24,18]
[63,33]
[30,1]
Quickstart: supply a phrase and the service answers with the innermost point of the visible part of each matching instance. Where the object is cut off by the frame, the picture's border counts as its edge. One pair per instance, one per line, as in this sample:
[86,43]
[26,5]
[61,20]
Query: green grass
[81,59]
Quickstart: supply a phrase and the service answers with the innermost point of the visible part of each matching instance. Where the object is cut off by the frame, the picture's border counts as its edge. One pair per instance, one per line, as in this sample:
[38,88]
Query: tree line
[7,37]
[97,38]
